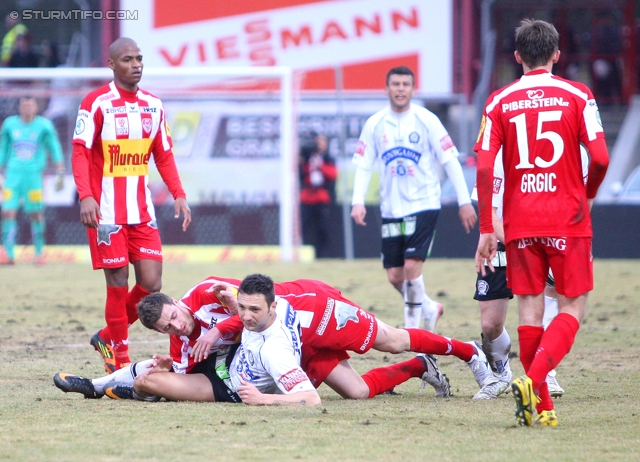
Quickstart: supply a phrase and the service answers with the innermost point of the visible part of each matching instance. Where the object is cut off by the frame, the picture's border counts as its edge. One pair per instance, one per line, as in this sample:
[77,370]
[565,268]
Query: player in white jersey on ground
[409,143]
[203,310]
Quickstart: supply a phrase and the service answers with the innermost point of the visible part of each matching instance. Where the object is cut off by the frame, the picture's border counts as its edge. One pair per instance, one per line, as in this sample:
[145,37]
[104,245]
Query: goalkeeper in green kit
[24,141]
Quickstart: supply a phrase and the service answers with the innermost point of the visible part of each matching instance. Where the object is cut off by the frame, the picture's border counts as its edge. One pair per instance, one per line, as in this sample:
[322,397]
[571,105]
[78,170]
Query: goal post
[234,90]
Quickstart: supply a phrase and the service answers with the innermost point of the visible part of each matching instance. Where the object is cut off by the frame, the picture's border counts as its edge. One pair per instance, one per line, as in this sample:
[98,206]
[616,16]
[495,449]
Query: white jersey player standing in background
[409,143]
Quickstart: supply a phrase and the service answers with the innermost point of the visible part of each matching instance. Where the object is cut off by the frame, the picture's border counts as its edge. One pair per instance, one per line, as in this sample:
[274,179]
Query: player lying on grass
[214,378]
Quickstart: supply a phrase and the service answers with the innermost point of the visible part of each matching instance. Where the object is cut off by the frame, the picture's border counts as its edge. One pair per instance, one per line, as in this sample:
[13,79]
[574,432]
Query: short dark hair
[536,42]
[258,284]
[150,308]
[400,70]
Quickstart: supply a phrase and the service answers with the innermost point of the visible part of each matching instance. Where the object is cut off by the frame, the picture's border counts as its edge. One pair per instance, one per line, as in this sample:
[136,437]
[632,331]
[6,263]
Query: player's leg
[117,329]
[175,387]
[392,340]
[95,388]
[493,297]
[34,206]
[11,196]
[419,231]
[9,232]
[145,252]
[550,312]
[345,381]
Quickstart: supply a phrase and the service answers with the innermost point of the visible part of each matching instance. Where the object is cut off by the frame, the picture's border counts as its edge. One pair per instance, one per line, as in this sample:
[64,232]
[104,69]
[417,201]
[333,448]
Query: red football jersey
[540,121]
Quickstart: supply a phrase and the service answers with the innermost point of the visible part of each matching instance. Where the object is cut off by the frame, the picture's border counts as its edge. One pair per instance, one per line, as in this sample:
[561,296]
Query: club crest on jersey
[345,313]
[483,288]
[105,232]
[401,170]
[535,94]
[122,126]
[146,125]
[80,125]
[414,137]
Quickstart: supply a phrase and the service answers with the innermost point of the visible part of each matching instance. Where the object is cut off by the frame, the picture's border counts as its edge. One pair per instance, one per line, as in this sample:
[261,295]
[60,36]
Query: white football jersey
[270,360]
[408,148]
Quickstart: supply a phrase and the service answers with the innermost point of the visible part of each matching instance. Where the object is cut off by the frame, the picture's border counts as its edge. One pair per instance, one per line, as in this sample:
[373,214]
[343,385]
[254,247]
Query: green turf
[48,314]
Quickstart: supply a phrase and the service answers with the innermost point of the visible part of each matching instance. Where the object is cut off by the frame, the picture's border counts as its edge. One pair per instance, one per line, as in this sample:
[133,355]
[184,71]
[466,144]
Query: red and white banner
[363,37]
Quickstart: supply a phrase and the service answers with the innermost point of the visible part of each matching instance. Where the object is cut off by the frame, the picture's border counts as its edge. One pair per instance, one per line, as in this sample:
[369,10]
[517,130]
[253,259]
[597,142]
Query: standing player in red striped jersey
[119,128]
[540,121]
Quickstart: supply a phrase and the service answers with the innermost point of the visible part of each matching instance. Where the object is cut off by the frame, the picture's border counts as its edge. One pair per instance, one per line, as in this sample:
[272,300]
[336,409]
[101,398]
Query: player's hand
[203,346]
[487,248]
[468,217]
[358,212]
[160,363]
[90,212]
[181,206]
[225,293]
[250,394]
[59,184]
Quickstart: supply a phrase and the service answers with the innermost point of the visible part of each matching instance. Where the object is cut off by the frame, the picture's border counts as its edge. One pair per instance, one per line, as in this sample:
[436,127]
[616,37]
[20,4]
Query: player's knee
[143,384]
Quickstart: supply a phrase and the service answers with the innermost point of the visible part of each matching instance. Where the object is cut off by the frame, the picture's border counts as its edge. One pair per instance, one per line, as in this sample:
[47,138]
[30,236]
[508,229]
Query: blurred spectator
[23,55]
[49,54]
[318,174]
[606,68]
[14,29]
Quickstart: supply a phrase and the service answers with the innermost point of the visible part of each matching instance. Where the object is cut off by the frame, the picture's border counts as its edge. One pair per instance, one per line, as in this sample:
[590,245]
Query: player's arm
[88,127]
[498,225]
[5,146]
[52,143]
[466,211]
[363,158]
[597,167]
[252,396]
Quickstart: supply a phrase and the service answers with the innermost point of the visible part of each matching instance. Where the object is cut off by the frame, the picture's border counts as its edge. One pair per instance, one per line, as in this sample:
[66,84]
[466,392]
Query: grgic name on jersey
[540,182]
[533,103]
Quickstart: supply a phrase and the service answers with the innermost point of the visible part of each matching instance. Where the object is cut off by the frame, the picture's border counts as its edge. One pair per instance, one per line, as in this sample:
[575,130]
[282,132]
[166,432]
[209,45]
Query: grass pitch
[48,314]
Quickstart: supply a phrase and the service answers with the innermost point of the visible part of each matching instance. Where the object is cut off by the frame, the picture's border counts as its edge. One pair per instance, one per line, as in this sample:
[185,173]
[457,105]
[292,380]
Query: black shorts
[408,237]
[493,286]
[221,392]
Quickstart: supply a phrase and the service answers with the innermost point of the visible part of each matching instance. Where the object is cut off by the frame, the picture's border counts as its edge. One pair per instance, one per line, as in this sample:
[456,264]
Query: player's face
[28,109]
[175,320]
[400,90]
[255,313]
[127,67]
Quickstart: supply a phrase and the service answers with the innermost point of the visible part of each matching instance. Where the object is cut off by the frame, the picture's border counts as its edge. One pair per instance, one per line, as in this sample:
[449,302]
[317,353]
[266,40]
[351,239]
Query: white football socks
[497,352]
[125,375]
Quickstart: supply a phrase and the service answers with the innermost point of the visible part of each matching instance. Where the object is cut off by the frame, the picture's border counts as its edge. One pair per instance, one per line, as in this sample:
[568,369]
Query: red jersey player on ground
[119,128]
[540,121]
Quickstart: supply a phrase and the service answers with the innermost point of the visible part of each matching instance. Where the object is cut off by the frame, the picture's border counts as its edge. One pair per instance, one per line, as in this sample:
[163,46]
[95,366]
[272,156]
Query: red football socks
[116,317]
[423,341]
[385,378]
[529,338]
[133,297]
[555,344]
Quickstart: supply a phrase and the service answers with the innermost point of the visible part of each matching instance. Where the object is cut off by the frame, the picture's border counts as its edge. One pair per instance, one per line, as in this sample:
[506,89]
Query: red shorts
[529,260]
[318,364]
[114,246]
[329,321]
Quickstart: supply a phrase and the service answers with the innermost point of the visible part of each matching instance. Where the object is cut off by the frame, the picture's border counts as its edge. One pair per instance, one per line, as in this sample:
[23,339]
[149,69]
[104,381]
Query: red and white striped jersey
[540,121]
[116,134]
[207,312]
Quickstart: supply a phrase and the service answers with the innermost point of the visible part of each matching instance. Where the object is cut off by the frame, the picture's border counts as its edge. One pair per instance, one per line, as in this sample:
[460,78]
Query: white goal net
[234,141]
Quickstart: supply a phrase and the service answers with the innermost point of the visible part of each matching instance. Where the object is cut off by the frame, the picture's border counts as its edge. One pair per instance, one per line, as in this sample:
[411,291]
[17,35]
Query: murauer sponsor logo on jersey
[292,378]
[126,157]
[400,152]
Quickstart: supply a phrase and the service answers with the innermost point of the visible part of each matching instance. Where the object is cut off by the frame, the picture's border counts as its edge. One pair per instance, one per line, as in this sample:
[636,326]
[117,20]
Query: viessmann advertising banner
[365,37]
[218,142]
